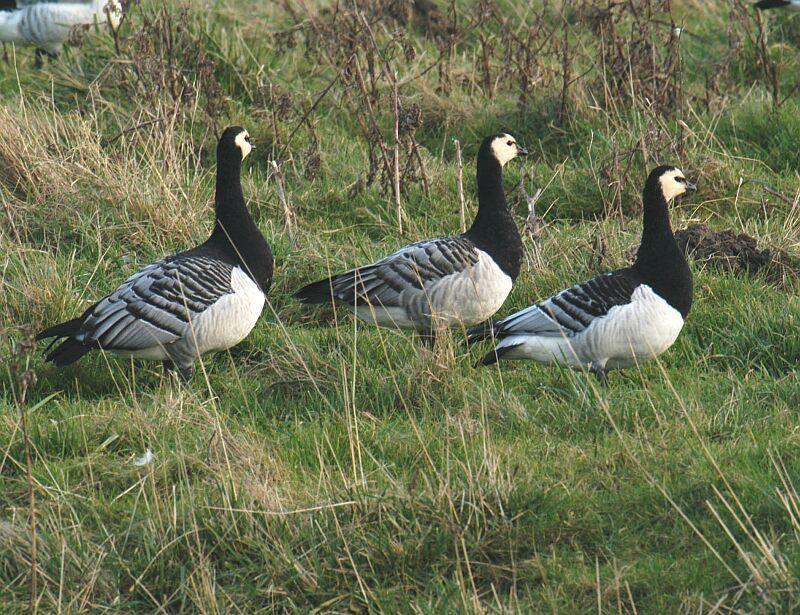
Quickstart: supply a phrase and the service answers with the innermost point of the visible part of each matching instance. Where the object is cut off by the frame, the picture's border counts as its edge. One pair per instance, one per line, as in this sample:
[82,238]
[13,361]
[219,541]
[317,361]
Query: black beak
[521,151]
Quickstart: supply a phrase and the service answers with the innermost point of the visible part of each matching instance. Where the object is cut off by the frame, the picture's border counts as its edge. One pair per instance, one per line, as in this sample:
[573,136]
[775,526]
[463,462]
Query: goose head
[672,182]
[503,147]
[235,143]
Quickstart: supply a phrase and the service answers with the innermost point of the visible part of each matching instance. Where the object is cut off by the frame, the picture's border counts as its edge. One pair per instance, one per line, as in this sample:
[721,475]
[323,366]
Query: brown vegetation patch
[15,550]
[57,178]
[425,16]
[728,251]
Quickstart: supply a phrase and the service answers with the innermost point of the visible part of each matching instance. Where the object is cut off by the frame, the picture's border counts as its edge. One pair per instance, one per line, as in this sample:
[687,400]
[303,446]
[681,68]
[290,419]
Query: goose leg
[602,375]
[429,337]
[41,53]
[186,372]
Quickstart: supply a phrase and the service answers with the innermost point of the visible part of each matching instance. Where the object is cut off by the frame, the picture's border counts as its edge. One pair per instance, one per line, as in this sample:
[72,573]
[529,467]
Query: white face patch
[504,148]
[673,183]
[242,141]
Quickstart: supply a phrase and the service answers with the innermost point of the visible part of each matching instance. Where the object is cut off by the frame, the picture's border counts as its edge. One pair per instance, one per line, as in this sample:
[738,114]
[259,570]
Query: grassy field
[326,465]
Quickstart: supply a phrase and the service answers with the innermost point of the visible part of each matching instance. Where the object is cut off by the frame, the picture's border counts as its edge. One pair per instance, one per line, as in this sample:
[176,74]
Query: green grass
[323,464]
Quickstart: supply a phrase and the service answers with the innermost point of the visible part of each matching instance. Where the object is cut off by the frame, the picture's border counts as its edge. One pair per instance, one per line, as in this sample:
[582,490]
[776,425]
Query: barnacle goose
[48,24]
[792,5]
[613,320]
[446,281]
[203,300]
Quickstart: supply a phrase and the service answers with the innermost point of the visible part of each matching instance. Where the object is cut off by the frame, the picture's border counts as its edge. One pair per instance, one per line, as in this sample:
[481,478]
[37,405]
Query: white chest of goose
[203,300]
[448,281]
[616,319]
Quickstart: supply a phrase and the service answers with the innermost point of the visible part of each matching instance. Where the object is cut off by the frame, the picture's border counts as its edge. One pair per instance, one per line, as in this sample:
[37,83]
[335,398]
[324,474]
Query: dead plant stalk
[25,380]
[396,169]
[460,180]
[288,214]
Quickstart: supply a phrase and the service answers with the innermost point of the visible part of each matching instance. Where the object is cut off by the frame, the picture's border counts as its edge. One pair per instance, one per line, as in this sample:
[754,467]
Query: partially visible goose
[203,300]
[49,24]
[616,319]
[460,280]
[792,5]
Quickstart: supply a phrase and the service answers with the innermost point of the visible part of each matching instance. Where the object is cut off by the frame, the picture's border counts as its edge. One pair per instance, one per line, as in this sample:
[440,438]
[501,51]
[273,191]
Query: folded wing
[387,282]
[155,306]
[566,313]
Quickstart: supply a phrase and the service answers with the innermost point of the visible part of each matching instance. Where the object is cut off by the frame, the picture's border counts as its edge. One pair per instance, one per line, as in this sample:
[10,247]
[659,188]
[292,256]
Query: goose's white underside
[221,326]
[628,334]
[461,299]
[49,25]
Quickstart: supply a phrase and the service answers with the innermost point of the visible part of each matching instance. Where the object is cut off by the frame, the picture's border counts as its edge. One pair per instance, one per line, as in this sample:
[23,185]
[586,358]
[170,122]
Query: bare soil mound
[728,251]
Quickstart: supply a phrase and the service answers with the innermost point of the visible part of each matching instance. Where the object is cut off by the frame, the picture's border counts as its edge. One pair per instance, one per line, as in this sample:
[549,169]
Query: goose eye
[680,180]
[509,143]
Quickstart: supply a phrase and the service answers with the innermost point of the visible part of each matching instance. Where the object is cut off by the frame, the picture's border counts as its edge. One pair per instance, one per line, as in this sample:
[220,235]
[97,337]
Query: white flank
[465,298]
[9,27]
[220,326]
[630,333]
[49,25]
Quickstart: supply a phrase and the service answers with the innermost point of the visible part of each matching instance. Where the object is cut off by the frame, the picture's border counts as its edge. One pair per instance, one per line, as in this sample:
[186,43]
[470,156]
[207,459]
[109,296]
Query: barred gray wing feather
[155,306]
[572,310]
[411,268]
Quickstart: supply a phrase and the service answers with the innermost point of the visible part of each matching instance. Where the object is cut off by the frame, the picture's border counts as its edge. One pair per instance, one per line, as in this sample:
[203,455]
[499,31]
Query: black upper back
[493,229]
[236,236]
[659,261]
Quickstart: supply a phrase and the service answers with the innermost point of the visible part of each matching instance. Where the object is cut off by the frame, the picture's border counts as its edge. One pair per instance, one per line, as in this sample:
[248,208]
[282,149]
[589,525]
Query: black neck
[235,232]
[493,229]
[659,260]
[229,205]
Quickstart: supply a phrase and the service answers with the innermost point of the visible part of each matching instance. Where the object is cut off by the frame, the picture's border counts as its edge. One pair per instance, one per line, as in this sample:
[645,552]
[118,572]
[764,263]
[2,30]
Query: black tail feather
[63,329]
[771,4]
[493,356]
[490,358]
[69,351]
[316,292]
[483,331]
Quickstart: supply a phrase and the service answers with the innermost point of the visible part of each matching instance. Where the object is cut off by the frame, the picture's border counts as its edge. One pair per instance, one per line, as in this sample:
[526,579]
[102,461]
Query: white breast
[231,319]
